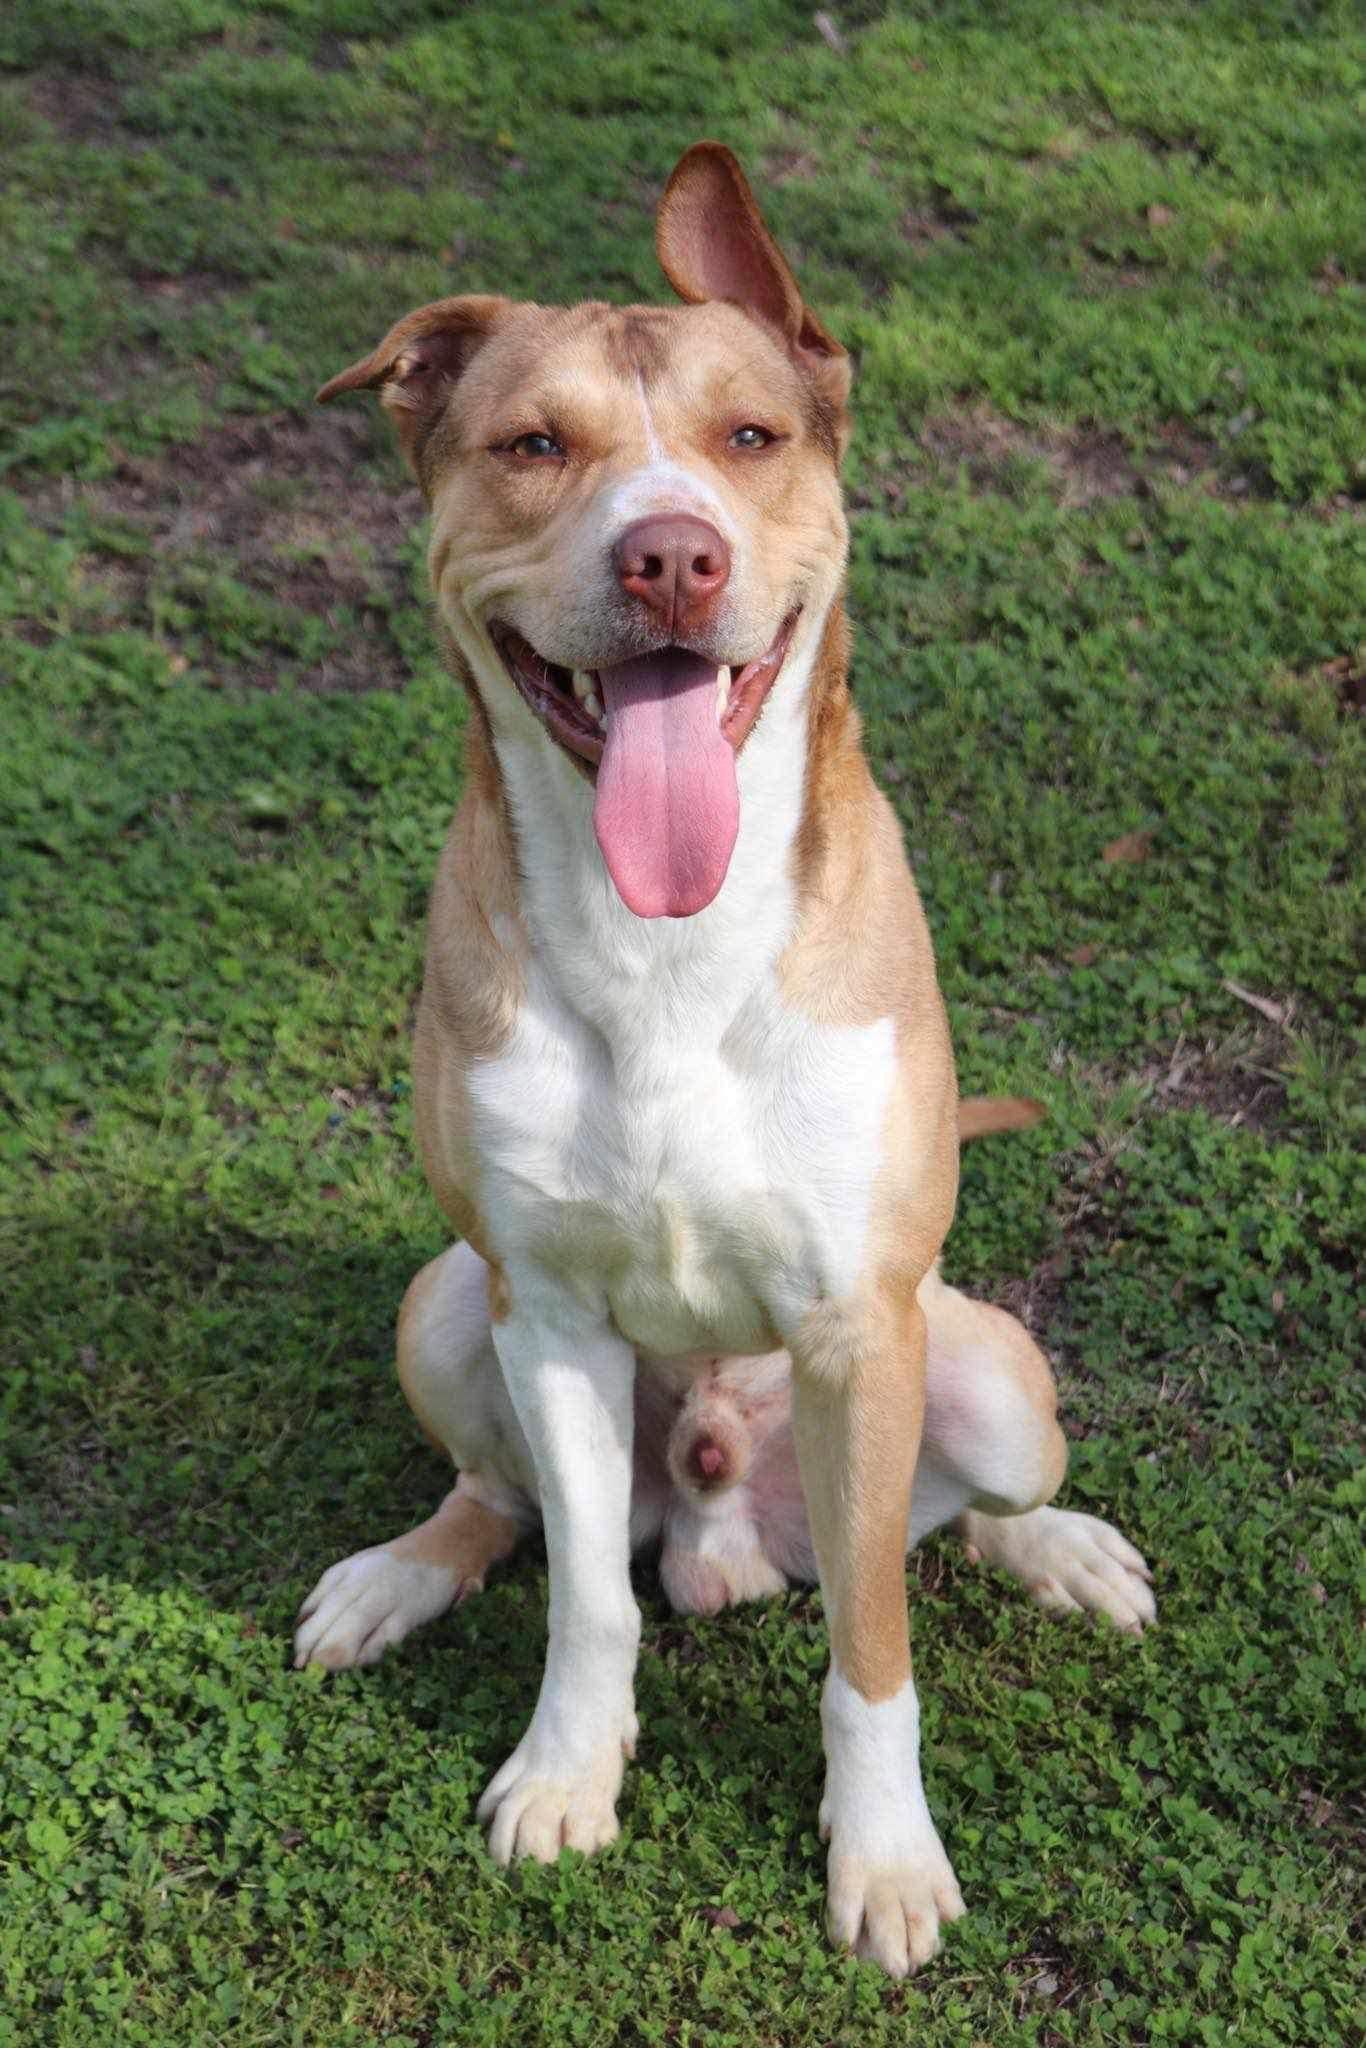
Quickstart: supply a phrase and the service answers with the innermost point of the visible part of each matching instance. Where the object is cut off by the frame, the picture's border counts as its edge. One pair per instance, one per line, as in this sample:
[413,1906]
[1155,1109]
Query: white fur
[1071,1563]
[571,1384]
[366,1604]
[669,1153]
[687,1152]
[890,1881]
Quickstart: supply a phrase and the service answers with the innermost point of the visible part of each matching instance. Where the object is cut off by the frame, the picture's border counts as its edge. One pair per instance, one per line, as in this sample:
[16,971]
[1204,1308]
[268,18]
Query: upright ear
[713,244]
[418,364]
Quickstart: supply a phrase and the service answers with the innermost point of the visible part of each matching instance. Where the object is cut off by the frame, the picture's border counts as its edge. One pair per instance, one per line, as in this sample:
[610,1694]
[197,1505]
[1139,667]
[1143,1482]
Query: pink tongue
[667,808]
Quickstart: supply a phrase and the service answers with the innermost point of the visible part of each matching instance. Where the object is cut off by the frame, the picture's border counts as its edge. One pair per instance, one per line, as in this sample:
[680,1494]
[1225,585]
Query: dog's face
[636,517]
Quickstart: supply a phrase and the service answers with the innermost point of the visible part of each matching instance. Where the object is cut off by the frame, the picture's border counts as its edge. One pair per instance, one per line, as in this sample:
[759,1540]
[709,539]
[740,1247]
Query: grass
[1100,268]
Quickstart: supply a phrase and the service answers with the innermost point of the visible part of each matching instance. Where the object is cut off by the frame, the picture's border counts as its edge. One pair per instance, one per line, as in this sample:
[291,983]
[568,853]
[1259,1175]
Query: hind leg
[446,1365]
[993,1456]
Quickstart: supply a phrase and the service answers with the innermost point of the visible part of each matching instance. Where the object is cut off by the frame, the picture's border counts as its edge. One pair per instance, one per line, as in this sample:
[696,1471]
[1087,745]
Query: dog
[682,1076]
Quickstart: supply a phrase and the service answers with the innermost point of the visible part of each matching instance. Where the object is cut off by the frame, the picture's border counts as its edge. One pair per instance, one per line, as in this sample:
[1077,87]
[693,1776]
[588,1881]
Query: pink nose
[676,565]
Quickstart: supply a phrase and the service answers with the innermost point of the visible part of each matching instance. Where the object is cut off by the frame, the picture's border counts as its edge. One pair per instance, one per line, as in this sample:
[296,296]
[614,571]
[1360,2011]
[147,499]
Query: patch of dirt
[1186,453]
[82,105]
[1238,1078]
[289,507]
[1237,1081]
[1242,1093]
[790,167]
[1346,676]
[924,226]
[1085,464]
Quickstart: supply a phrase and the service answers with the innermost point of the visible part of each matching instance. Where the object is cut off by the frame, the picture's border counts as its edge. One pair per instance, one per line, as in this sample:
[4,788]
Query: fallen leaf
[1160,216]
[721,1916]
[1130,846]
[1082,956]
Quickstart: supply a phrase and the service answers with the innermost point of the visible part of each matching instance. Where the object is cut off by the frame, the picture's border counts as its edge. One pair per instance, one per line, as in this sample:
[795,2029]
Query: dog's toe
[1085,1565]
[535,1807]
[1071,1563]
[365,1604]
[892,1916]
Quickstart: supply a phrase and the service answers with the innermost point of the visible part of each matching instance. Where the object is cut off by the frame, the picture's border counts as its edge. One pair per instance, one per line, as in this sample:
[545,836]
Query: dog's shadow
[214,1411]
[206,1407]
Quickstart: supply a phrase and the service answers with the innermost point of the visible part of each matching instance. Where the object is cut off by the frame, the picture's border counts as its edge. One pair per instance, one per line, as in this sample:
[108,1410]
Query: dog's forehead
[606,355]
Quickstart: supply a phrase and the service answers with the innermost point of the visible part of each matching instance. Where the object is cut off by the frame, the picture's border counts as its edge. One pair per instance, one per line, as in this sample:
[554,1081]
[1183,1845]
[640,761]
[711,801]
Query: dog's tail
[980,1116]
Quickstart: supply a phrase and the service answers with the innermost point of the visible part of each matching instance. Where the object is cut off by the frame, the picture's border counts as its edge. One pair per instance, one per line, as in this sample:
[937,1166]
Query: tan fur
[980,1116]
[744,345]
[422,1290]
[463,1536]
[857,1411]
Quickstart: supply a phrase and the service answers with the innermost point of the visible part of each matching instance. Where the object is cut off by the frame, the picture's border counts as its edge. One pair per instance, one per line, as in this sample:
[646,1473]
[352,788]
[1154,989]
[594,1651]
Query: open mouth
[574,705]
[658,737]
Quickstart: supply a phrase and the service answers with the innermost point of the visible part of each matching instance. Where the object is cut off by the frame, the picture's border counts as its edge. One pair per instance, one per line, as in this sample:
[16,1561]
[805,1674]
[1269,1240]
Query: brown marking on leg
[858,1410]
[464,1537]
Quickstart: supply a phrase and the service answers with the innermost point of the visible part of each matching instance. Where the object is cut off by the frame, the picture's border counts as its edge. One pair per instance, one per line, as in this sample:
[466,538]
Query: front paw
[552,1794]
[889,1912]
[890,1884]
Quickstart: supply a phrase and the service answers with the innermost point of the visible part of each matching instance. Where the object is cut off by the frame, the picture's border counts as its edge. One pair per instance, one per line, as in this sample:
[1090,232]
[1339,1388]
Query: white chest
[684,1148]
[708,1185]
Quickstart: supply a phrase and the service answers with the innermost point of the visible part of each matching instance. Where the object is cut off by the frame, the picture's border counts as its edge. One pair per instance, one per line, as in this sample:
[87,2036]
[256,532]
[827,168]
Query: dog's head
[636,518]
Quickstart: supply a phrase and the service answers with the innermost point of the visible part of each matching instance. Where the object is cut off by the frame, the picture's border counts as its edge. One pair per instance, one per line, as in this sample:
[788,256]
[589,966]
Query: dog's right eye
[536,448]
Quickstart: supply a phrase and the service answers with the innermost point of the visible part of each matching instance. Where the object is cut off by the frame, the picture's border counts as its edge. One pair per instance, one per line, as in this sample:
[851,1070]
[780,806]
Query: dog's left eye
[535,447]
[751,437]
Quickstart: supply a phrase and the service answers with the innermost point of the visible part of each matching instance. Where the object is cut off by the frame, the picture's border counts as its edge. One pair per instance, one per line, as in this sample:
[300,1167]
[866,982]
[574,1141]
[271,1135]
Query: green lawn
[1100,269]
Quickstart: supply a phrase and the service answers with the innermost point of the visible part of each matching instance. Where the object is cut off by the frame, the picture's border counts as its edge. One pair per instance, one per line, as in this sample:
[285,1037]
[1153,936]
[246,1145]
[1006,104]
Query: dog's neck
[595,953]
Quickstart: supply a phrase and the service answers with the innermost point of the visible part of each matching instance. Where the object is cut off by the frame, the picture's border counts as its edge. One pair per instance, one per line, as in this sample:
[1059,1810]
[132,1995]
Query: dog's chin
[571,704]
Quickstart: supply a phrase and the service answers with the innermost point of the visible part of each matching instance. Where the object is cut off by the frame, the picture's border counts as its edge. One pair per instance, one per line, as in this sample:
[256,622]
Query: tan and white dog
[683,1080]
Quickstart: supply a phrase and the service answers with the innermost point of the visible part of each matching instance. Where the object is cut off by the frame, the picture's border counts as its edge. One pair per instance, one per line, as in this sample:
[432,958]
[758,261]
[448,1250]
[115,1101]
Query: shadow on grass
[204,1410]
[211,1415]
[191,1404]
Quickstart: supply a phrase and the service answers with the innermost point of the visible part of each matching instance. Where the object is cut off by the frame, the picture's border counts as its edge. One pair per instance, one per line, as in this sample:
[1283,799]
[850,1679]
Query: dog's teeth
[592,704]
[722,691]
[583,685]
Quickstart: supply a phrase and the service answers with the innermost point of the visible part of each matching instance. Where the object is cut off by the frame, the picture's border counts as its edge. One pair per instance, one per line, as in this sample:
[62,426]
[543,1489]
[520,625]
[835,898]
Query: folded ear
[419,362]
[713,244]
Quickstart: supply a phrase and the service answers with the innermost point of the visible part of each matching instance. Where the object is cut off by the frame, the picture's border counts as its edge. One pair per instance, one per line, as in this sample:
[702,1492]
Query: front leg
[858,1409]
[571,1378]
